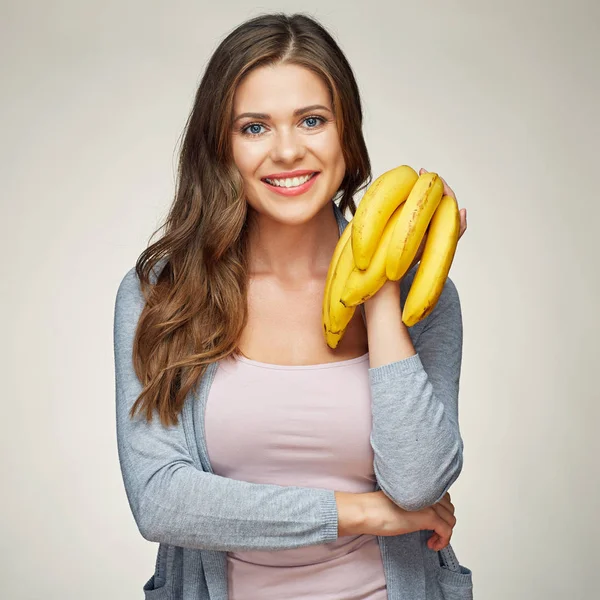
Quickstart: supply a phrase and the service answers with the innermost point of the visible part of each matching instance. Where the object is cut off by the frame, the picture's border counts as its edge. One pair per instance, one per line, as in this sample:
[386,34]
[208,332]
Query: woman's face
[292,130]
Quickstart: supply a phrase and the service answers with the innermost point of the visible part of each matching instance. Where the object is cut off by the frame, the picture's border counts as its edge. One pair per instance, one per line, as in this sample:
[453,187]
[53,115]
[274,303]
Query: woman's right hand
[386,518]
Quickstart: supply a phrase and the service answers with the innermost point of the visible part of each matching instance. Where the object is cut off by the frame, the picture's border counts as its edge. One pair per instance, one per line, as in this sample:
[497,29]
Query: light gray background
[499,98]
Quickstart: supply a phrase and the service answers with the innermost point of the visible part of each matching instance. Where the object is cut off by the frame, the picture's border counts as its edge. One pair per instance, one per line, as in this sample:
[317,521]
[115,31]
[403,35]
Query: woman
[278,467]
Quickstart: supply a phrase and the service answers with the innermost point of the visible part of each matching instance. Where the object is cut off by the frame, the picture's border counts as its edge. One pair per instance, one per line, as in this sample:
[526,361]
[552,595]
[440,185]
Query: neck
[292,252]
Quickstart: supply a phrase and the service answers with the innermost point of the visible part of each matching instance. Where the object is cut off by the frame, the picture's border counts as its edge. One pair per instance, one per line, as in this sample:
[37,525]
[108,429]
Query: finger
[434,542]
[432,520]
[437,543]
[462,213]
[445,513]
[441,537]
[450,522]
[447,503]
[444,533]
[448,191]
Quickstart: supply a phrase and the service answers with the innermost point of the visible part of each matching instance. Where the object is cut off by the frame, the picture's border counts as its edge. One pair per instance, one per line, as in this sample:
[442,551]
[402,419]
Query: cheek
[247,157]
[329,149]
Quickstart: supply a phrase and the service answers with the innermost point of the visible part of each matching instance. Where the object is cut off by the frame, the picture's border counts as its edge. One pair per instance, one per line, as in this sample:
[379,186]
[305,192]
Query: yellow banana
[331,338]
[380,200]
[339,315]
[438,254]
[414,219]
[361,285]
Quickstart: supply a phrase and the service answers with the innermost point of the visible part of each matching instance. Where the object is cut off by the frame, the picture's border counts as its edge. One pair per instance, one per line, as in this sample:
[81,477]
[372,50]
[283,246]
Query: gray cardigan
[197,516]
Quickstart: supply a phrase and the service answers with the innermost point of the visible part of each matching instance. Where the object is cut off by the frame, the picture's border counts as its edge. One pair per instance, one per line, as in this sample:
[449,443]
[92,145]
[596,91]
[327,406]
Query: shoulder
[128,281]
[129,304]
[129,290]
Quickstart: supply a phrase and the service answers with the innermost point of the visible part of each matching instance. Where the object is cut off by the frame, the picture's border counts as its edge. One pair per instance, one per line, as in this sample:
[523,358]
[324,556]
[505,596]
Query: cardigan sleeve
[174,502]
[418,449]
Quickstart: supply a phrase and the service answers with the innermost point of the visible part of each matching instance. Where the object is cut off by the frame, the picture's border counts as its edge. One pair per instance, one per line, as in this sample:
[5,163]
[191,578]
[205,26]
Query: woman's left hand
[392,287]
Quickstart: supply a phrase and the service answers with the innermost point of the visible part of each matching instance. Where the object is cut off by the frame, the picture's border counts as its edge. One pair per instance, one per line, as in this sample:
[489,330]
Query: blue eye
[253,129]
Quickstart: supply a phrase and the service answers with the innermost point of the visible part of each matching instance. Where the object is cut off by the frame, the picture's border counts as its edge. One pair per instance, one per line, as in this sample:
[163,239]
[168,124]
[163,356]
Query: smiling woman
[296,127]
[278,101]
[263,475]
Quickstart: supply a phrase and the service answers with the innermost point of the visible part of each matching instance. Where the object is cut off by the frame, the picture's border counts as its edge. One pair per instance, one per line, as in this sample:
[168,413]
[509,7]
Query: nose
[288,146]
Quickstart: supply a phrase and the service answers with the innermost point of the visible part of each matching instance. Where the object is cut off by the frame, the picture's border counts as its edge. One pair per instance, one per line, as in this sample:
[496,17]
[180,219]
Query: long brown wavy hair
[196,309]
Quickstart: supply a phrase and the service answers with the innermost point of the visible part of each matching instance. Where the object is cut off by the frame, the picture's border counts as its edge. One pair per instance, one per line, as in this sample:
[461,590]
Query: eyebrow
[297,112]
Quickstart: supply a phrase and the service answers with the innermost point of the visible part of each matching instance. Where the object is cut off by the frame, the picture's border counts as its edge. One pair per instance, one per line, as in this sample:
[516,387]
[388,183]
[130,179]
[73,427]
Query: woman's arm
[414,378]
[173,502]
[389,339]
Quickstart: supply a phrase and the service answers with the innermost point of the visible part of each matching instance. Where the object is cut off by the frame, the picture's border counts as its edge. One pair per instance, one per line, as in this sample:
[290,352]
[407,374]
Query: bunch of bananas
[381,242]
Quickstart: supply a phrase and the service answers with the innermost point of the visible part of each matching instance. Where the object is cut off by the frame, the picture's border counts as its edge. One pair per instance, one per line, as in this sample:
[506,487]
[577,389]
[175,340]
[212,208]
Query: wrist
[383,309]
[352,513]
[371,517]
[387,296]
[388,337]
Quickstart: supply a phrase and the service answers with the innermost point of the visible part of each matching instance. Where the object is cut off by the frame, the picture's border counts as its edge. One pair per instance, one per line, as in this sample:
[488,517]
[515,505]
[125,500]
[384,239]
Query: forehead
[279,90]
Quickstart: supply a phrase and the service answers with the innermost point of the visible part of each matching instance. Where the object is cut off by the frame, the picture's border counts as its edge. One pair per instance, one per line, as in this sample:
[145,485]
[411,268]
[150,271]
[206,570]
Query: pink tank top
[302,425]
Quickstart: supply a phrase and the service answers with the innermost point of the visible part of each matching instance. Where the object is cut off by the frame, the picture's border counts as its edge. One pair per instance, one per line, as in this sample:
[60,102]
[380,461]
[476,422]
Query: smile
[292,186]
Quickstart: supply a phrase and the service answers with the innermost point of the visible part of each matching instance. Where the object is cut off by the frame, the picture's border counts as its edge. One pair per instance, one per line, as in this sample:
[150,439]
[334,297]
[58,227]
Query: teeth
[293,182]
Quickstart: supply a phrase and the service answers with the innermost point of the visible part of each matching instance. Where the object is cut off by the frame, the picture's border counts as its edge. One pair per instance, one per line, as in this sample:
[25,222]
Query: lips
[310,174]
[294,190]
[289,174]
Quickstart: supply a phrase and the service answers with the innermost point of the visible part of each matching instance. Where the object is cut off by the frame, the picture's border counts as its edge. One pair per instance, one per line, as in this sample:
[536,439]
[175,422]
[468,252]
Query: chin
[291,210]
[292,214]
